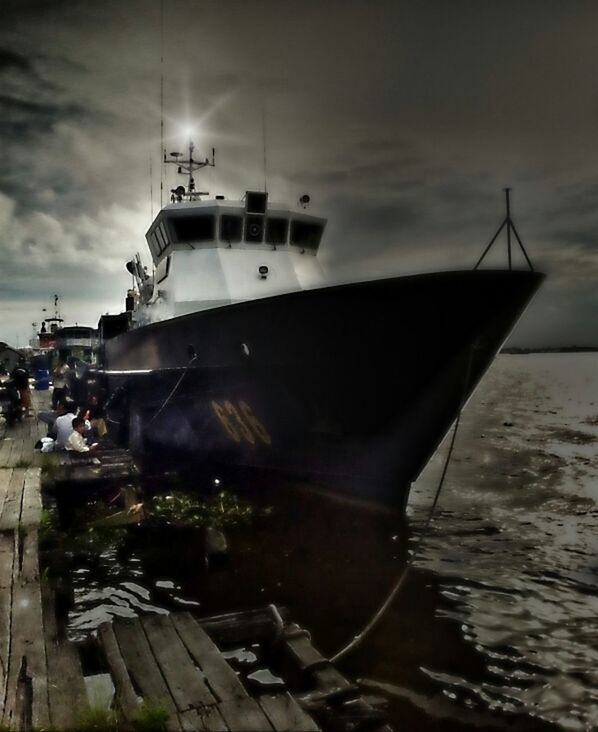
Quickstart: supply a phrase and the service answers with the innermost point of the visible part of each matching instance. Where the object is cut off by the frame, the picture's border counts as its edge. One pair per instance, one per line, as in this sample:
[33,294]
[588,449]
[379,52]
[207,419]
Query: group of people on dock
[75,428]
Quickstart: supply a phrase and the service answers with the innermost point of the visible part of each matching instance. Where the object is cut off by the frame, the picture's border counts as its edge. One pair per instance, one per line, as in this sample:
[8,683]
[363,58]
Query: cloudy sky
[402,120]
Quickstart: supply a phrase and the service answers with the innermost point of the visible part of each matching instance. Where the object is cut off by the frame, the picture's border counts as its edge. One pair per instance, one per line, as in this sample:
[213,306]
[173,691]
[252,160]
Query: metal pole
[507,191]
[527,259]
[487,249]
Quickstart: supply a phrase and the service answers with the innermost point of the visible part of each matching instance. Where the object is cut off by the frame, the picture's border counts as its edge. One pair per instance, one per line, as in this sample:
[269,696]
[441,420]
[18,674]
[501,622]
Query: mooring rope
[174,390]
[357,640]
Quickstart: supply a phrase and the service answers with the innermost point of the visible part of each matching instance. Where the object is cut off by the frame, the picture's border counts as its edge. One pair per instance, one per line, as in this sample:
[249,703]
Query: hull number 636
[240,423]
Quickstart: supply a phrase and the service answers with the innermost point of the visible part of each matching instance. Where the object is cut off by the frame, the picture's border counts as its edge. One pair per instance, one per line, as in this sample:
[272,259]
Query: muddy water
[496,626]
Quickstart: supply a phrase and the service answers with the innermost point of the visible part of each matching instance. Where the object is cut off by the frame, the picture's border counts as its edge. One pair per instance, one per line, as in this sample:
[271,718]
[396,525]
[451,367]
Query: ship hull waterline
[350,387]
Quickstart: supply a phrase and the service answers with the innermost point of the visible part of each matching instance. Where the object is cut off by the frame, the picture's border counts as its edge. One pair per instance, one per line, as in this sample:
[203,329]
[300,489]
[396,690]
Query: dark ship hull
[352,386]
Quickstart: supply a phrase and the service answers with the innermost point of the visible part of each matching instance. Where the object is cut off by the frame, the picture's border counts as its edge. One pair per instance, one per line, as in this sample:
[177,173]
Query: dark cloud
[403,120]
[10,60]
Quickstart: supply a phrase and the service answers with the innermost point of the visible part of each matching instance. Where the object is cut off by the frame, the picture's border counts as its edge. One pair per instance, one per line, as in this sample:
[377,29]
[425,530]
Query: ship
[236,352]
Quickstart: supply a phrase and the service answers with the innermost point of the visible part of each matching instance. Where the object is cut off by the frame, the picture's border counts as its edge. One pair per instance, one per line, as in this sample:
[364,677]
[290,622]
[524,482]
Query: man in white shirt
[63,426]
[76,441]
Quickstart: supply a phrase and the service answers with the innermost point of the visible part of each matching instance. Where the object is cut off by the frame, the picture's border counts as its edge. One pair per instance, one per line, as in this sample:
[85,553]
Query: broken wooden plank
[127,701]
[285,714]
[221,678]
[244,715]
[67,697]
[186,682]
[27,639]
[142,667]
[11,511]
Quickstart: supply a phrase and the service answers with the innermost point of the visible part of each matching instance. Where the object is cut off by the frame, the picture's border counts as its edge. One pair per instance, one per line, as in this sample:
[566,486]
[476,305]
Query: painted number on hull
[240,423]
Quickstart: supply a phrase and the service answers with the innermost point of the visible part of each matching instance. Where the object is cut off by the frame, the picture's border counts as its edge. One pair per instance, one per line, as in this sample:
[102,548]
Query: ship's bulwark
[351,386]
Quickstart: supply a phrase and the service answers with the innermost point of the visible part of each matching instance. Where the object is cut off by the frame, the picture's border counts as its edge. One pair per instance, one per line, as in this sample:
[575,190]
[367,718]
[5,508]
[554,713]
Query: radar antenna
[188,167]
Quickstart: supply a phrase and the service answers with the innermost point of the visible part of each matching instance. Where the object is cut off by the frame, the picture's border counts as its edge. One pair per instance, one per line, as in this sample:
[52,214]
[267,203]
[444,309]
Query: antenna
[264,145]
[508,222]
[188,167]
[151,189]
[162,151]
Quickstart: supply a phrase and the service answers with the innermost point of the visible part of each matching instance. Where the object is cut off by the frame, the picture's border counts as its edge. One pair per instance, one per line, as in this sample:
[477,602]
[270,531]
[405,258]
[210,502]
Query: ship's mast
[188,167]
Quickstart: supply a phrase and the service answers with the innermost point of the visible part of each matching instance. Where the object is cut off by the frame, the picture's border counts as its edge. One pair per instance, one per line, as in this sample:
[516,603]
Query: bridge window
[231,228]
[276,231]
[161,239]
[306,234]
[154,244]
[193,228]
[163,234]
[163,270]
[254,229]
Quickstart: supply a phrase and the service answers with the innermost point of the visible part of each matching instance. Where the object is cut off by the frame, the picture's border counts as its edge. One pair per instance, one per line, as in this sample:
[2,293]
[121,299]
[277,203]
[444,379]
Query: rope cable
[174,390]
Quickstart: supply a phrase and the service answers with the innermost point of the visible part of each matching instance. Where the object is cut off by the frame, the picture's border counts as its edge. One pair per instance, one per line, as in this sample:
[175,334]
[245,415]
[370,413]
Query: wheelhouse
[229,225]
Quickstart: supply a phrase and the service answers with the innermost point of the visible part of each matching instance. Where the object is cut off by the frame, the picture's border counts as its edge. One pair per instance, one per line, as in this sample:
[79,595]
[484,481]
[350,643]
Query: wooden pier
[174,661]
[170,659]
[41,683]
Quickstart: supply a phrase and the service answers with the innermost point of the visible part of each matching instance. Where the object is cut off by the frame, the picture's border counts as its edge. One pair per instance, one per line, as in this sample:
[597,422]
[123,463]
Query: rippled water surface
[497,625]
[515,543]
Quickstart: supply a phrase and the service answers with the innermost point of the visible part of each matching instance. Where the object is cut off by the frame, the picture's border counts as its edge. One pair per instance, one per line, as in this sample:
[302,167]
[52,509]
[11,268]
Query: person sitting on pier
[95,414]
[49,417]
[63,426]
[76,441]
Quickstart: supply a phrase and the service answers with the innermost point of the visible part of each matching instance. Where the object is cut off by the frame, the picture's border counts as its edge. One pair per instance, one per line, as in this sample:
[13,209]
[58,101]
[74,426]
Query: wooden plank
[242,627]
[27,452]
[126,699]
[5,474]
[221,678]
[6,449]
[186,682]
[328,678]
[31,511]
[17,450]
[207,719]
[142,667]
[11,511]
[67,697]
[298,644]
[29,551]
[7,558]
[285,714]
[244,715]
[27,639]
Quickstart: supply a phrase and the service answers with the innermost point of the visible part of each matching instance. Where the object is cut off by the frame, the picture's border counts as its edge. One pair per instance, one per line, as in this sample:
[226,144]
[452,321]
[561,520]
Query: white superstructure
[216,252]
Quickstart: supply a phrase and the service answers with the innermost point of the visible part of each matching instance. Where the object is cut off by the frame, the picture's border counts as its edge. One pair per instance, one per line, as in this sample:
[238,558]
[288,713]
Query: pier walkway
[41,683]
